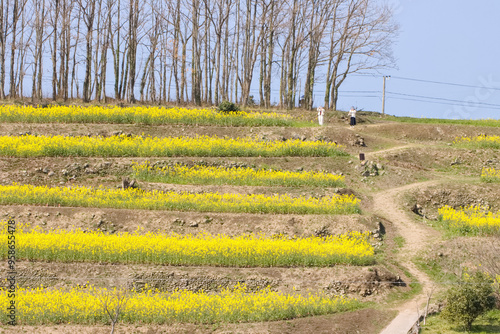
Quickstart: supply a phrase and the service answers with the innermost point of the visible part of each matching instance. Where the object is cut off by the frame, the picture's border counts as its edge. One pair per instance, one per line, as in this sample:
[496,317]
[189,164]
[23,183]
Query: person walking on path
[321,113]
[352,115]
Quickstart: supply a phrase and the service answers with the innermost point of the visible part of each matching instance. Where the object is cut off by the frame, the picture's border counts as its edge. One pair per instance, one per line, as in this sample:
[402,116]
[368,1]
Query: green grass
[481,122]
[488,323]
[399,241]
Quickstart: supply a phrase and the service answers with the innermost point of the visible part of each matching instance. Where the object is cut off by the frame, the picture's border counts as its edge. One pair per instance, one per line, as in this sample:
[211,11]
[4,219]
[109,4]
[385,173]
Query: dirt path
[370,155]
[387,205]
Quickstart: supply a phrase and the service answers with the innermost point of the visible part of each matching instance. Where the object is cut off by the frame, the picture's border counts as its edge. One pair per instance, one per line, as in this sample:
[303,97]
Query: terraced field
[155,220]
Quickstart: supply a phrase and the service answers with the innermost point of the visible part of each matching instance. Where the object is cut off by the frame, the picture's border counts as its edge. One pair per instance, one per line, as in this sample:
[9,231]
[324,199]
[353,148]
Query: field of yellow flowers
[203,249]
[471,220]
[147,250]
[482,141]
[241,176]
[144,146]
[88,305]
[490,175]
[141,115]
[178,201]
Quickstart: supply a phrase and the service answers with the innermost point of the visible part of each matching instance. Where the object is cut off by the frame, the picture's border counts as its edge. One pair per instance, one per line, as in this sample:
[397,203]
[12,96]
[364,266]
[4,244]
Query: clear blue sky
[451,41]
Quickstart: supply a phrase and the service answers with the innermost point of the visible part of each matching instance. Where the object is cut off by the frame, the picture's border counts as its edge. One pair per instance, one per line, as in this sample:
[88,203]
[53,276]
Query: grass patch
[487,323]
[399,241]
[434,269]
[481,122]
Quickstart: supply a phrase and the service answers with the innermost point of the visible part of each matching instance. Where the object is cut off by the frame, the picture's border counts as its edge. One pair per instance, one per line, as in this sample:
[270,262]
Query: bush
[471,297]
[228,107]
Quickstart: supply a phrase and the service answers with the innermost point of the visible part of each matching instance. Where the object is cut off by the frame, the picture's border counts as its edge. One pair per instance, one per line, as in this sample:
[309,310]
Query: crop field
[203,249]
[243,176]
[141,146]
[141,115]
[471,220]
[490,175]
[482,141]
[176,220]
[85,306]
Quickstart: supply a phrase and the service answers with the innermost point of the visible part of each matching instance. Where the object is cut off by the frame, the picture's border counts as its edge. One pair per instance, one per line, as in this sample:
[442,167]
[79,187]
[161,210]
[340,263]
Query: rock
[194,224]
[381,228]
[417,209]
[50,174]
[179,222]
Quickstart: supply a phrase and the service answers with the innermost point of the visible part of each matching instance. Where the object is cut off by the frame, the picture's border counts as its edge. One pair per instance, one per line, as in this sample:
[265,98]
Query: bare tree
[133,20]
[88,13]
[113,302]
[39,24]
[361,35]
[320,10]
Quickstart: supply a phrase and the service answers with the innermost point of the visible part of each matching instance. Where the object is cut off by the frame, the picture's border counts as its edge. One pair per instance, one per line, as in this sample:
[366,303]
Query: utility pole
[383,94]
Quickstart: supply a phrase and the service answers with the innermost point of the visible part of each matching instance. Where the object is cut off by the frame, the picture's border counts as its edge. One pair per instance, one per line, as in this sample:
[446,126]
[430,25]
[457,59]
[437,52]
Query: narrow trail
[387,204]
[370,155]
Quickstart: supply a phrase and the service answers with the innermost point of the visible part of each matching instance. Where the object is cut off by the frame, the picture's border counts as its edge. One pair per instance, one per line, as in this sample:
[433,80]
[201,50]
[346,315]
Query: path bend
[387,204]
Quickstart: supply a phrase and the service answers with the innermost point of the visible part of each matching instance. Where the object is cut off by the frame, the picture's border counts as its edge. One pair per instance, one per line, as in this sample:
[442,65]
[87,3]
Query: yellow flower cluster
[471,220]
[490,175]
[235,176]
[170,200]
[204,249]
[86,305]
[482,141]
[140,146]
[140,114]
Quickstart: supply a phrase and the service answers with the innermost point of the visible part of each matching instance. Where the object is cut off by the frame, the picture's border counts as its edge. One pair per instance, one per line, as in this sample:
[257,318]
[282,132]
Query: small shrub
[471,297]
[228,107]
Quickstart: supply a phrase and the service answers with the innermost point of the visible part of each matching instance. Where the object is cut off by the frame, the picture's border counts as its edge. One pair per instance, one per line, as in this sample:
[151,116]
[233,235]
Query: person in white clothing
[321,113]
[352,115]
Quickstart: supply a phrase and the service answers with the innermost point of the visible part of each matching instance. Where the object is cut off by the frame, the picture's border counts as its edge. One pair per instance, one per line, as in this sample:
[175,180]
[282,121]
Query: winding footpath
[387,204]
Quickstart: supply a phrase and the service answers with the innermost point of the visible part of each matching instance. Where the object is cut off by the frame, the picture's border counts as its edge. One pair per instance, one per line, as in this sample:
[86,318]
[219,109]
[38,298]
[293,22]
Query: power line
[445,99]
[439,102]
[444,83]
[426,81]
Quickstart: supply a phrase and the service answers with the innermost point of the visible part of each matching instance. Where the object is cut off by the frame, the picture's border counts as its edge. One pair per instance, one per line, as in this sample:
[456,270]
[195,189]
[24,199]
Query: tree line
[197,51]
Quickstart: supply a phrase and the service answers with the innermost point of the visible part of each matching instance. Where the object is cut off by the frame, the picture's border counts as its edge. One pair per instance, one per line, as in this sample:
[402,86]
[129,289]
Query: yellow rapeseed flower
[180,201]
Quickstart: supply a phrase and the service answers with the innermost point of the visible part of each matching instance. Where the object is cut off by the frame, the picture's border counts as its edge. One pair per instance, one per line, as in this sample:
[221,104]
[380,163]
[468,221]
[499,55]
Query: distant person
[352,115]
[321,113]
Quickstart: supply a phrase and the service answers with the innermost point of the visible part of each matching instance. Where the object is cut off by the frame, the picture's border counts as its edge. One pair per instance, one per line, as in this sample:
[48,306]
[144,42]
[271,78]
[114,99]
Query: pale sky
[449,41]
